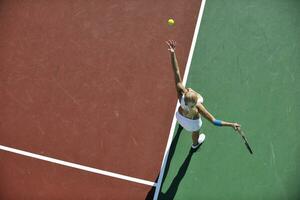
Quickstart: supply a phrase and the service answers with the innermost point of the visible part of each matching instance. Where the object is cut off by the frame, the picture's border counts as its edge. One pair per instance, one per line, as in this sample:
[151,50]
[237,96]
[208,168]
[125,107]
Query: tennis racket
[241,133]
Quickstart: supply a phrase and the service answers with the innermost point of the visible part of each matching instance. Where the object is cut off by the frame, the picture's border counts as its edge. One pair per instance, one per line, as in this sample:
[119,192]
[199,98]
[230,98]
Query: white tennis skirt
[189,124]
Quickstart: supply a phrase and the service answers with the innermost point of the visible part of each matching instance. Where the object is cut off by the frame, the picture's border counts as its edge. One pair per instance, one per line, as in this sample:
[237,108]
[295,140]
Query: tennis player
[191,105]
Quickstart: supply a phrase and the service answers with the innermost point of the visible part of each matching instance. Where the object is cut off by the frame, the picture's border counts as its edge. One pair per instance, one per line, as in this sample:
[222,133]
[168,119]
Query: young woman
[191,105]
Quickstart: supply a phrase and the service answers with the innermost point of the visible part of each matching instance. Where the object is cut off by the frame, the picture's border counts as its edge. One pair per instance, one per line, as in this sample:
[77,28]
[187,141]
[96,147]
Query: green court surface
[246,64]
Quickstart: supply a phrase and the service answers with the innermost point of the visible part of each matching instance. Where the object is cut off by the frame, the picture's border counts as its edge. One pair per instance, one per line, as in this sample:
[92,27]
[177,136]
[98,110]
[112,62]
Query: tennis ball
[171,22]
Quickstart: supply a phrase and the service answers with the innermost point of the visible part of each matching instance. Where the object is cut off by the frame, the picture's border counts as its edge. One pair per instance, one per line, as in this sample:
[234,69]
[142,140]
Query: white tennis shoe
[200,141]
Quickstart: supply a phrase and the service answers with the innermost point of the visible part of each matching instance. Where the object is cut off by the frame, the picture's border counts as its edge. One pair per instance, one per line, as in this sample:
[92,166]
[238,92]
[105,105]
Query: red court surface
[25,178]
[87,82]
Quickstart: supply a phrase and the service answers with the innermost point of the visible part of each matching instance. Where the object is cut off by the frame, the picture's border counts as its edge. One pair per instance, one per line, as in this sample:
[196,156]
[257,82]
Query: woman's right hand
[172,45]
[235,126]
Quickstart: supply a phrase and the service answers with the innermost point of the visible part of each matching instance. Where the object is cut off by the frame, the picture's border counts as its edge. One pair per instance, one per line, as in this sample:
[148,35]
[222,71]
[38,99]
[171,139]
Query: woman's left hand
[172,45]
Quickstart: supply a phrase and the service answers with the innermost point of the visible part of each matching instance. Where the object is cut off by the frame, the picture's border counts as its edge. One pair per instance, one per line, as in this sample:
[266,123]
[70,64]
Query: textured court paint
[246,65]
[65,182]
[89,82]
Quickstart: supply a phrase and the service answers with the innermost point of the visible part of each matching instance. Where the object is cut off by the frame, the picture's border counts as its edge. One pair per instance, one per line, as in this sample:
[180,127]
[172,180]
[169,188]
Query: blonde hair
[190,97]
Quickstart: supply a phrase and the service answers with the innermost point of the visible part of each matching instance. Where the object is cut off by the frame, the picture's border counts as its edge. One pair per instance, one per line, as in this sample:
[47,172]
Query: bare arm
[213,120]
[178,81]
[175,67]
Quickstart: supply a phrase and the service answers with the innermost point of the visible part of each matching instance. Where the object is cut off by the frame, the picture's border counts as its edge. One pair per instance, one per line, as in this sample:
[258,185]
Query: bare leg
[195,136]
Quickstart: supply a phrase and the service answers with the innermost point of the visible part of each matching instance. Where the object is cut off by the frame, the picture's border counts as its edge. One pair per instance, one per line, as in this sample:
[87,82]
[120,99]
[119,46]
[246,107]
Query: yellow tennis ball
[171,22]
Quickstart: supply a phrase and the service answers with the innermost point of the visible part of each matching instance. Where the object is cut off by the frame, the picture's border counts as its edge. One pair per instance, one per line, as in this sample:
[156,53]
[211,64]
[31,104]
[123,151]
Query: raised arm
[178,81]
[213,120]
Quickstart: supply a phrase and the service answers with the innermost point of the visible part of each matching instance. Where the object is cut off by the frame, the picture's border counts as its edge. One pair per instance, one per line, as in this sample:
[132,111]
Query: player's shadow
[170,193]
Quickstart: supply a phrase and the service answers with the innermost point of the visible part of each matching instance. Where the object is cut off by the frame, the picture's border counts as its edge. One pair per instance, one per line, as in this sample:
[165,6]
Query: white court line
[77,166]
[186,72]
